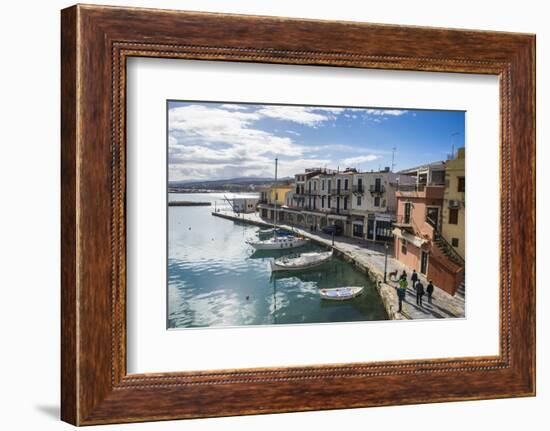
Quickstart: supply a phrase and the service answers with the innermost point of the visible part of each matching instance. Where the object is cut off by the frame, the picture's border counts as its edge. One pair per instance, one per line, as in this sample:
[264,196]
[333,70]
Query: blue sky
[226,140]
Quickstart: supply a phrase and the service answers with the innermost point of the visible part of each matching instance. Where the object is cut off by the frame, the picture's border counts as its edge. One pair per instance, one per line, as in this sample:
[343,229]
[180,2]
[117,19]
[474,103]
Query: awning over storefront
[359,222]
[313,213]
[384,217]
[417,242]
[337,217]
[289,210]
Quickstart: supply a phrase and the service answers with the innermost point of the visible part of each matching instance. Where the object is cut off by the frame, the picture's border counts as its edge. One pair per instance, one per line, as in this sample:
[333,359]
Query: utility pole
[385,260]
[275,203]
[393,158]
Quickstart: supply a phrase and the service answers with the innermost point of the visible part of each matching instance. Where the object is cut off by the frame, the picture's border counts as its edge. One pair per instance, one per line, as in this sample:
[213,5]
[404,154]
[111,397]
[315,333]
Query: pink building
[418,240]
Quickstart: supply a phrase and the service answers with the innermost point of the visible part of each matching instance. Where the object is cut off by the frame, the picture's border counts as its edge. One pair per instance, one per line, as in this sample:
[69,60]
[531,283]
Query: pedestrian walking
[404,274]
[419,287]
[414,277]
[430,291]
[402,291]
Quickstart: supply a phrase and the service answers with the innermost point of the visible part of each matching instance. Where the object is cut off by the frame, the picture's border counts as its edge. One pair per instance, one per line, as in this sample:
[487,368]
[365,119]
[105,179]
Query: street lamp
[385,260]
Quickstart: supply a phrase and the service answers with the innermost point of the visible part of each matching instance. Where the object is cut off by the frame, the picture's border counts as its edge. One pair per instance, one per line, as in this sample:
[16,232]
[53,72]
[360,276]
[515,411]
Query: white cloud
[234,107]
[208,126]
[223,141]
[296,114]
[353,161]
[208,141]
[331,110]
[384,112]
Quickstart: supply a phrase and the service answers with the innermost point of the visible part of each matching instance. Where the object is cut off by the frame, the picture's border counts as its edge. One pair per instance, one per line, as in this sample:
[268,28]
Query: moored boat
[278,243]
[341,293]
[266,233]
[304,261]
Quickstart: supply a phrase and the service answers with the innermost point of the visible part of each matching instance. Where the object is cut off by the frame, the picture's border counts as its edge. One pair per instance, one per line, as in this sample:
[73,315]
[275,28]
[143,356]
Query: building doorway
[370,229]
[424,263]
[358,230]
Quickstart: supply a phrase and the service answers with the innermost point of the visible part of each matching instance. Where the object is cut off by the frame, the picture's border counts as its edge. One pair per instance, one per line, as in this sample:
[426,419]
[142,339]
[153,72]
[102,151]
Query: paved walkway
[371,255]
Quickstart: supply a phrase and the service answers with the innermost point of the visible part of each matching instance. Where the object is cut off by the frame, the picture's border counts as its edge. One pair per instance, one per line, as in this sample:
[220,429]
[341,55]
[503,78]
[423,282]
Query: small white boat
[267,231]
[304,261]
[277,243]
[341,293]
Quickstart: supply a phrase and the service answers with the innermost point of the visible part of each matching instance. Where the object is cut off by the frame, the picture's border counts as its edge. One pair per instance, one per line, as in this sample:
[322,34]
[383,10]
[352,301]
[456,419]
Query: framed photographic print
[267,215]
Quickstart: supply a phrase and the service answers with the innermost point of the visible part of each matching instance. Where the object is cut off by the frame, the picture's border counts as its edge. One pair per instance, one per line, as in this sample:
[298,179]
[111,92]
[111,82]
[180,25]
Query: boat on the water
[303,261]
[277,243]
[266,233]
[341,293]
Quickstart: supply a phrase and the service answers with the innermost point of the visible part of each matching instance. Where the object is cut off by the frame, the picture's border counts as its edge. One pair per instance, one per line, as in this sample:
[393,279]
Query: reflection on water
[216,279]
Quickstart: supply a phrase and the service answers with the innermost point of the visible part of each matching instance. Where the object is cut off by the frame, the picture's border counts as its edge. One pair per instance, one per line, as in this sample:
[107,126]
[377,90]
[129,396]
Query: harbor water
[215,279]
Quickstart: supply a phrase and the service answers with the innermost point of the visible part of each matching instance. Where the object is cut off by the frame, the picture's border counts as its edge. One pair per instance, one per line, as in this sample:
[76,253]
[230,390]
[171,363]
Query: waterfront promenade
[369,256]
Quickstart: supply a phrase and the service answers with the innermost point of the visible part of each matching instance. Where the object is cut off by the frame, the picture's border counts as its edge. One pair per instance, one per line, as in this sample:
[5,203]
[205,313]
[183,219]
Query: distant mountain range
[238,183]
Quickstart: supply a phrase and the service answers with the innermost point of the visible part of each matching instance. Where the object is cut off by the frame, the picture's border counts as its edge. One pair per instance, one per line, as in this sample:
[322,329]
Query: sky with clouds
[209,141]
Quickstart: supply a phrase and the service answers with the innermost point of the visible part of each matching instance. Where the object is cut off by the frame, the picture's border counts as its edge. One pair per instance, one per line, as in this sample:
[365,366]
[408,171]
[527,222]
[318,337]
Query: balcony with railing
[339,191]
[311,192]
[310,208]
[358,189]
[403,221]
[421,190]
[339,211]
[376,189]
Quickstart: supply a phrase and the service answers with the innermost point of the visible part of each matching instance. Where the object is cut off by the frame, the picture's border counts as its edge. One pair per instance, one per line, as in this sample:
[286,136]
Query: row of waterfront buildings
[420,211]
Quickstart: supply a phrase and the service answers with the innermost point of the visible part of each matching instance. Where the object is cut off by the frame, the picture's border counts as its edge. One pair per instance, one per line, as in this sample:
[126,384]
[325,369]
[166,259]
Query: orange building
[419,243]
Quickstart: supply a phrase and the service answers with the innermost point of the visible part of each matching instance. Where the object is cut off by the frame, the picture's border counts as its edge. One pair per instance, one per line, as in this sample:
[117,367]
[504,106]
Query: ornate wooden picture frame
[96,42]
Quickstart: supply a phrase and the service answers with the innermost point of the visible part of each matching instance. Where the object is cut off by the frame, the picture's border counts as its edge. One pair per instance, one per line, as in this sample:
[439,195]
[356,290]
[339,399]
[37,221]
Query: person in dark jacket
[403,274]
[419,287]
[430,291]
[414,278]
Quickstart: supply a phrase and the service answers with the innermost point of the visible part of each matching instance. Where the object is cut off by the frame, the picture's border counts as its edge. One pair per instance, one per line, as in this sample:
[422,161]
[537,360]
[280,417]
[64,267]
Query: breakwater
[188,204]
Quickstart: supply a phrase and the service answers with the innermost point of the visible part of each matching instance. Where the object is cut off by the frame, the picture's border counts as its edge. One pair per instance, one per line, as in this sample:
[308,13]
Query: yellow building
[276,194]
[454,204]
[271,198]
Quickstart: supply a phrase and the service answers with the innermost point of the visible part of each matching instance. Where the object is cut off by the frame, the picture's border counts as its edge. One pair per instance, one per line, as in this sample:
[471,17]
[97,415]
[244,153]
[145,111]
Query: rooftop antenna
[453,144]
[393,158]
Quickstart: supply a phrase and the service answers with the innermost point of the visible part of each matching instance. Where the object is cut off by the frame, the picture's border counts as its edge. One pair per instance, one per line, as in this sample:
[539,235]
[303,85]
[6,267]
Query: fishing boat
[304,261]
[277,243]
[341,293]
